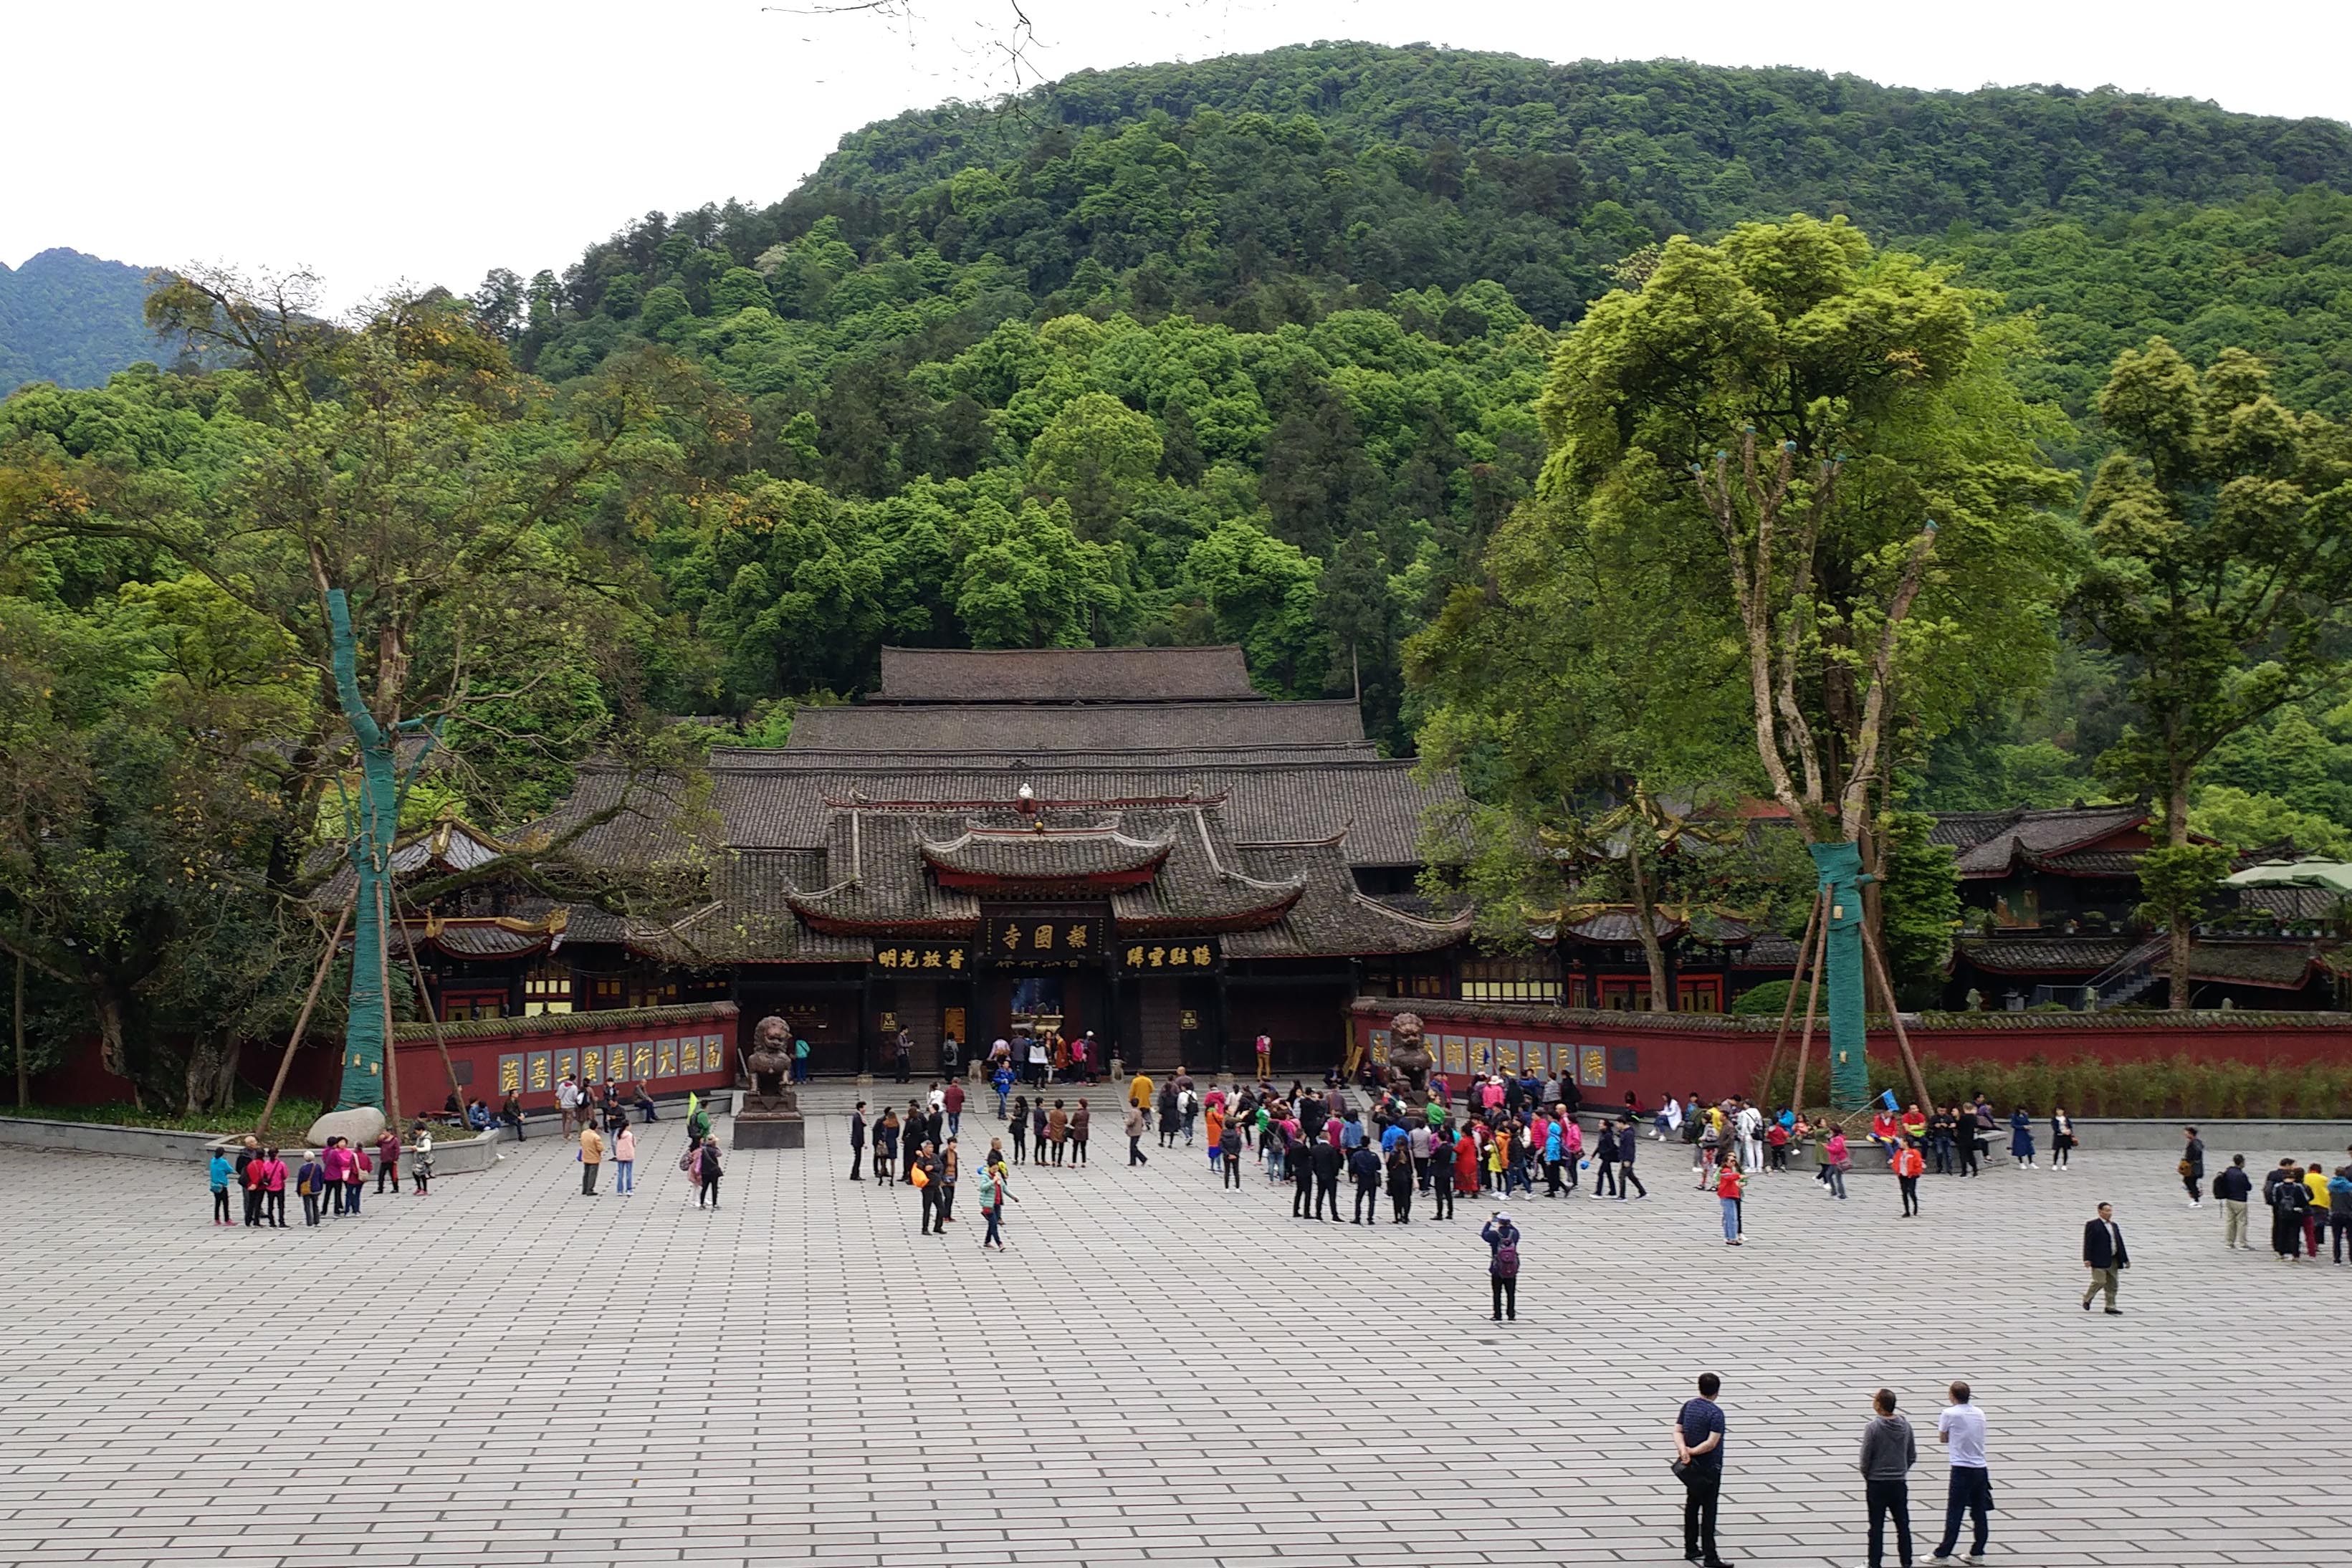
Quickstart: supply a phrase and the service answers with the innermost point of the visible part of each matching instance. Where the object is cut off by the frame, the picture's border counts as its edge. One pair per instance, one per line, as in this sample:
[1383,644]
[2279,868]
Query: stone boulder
[360,1125]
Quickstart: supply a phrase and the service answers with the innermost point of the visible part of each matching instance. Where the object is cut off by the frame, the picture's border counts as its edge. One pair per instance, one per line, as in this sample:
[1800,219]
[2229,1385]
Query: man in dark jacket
[2104,1256]
[1365,1167]
[1441,1170]
[857,1143]
[2233,1187]
[1888,1452]
[2192,1166]
[1300,1167]
[1326,1160]
[927,1163]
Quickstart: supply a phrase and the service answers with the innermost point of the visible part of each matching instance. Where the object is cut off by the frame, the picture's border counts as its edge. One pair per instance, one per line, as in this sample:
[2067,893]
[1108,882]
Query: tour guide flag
[692,1104]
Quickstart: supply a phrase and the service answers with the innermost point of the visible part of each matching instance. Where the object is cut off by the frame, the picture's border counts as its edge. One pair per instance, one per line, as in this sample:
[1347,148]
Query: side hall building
[1130,841]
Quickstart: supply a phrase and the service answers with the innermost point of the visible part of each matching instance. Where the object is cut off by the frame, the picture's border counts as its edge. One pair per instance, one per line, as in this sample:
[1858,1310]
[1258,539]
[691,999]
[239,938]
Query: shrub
[1765,1001]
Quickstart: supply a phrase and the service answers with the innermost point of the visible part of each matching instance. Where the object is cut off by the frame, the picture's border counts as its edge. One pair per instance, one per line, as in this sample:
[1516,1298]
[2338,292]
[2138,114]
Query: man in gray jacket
[1888,1452]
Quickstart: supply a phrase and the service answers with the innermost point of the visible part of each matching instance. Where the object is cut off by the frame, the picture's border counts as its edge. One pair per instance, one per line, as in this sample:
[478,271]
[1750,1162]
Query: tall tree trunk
[1646,922]
[24,1079]
[111,1055]
[2176,835]
[365,1038]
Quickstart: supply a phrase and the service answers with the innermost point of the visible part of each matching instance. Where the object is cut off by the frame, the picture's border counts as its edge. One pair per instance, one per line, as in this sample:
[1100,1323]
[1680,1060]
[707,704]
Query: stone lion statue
[1409,1063]
[770,1066]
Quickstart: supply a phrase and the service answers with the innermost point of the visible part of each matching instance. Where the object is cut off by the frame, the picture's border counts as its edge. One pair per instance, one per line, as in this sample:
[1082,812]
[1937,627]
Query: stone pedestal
[778,1130]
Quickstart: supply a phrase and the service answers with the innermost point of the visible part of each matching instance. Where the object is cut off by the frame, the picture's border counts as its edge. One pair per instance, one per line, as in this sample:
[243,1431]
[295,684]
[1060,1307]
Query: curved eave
[1031,887]
[820,920]
[1257,919]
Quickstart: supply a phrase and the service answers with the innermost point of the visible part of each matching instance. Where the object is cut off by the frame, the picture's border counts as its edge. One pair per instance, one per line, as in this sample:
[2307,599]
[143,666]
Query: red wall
[423,1085]
[1719,1056]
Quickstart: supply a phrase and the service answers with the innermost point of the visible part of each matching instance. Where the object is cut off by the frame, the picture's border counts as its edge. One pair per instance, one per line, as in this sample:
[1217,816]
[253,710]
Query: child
[420,1161]
[218,1174]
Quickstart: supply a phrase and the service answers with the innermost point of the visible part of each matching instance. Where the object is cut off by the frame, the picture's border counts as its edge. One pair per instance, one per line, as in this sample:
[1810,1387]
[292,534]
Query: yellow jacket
[592,1146]
[1139,1091]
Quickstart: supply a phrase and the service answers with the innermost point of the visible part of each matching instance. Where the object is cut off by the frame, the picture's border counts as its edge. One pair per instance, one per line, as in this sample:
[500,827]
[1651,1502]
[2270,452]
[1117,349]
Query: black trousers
[588,1177]
[1507,1294]
[275,1207]
[1444,1192]
[1885,1498]
[857,1161]
[253,1205]
[1327,1192]
[1626,1178]
[1233,1170]
[1972,1494]
[931,1210]
[2194,1184]
[1367,1204]
[1302,1201]
[1402,1203]
[1701,1491]
[1607,1181]
[1551,1178]
[709,1192]
[220,1205]
[1910,1185]
[1135,1154]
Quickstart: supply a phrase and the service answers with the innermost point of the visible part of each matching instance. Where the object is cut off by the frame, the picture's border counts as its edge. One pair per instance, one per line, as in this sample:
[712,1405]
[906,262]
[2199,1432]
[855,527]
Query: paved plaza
[1158,1370]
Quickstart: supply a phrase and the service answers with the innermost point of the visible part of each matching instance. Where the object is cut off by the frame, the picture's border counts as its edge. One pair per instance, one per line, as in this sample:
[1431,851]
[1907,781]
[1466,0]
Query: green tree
[2222,572]
[1260,592]
[1097,454]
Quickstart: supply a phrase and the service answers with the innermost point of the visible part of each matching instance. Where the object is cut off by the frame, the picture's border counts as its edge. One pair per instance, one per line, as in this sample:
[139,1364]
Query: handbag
[922,1178]
[1682,1469]
[2183,1167]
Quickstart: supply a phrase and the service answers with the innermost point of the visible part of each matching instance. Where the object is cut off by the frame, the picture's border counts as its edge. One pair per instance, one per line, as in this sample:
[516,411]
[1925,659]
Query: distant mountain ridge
[72,318]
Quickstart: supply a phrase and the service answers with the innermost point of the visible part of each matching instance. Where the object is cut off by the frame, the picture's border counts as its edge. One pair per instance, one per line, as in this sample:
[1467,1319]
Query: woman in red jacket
[1465,1160]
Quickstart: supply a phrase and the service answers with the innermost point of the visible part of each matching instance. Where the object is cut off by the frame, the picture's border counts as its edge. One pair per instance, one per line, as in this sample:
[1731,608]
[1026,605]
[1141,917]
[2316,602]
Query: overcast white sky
[431,140]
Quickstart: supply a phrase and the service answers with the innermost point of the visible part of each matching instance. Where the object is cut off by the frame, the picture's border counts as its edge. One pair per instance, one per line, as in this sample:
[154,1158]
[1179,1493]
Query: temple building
[1129,841]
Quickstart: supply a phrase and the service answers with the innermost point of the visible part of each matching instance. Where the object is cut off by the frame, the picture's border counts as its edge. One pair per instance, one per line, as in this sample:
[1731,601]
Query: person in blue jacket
[2020,1137]
[218,1173]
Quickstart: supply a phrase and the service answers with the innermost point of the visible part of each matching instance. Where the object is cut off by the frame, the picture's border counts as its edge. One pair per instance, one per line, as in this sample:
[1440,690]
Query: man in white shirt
[567,1099]
[1751,1137]
[1961,1430]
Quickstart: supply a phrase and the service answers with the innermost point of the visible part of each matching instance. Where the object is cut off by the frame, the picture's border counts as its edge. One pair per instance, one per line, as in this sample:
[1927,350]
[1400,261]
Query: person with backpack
[1502,1240]
[2288,1199]
[708,1170]
[1229,1141]
[218,1171]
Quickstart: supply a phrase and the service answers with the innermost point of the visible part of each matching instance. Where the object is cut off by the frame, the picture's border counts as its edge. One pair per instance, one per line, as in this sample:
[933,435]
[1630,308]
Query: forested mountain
[71,319]
[1253,349]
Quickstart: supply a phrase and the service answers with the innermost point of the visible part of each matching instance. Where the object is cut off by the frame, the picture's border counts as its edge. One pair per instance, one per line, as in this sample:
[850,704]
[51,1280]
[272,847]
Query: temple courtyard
[1157,1370]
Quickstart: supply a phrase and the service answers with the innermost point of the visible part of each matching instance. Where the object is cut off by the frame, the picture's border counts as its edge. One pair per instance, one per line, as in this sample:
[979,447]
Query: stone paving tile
[1159,1371]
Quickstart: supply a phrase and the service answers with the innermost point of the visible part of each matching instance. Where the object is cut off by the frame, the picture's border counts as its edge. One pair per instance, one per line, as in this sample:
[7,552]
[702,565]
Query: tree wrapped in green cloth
[1817,444]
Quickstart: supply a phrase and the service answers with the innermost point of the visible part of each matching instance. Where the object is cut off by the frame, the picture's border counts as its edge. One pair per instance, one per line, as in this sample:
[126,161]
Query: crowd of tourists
[329,1180]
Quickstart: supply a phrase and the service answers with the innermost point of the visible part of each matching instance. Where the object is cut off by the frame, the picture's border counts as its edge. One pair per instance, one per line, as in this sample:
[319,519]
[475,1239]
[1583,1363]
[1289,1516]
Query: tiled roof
[2088,863]
[445,846]
[2041,954]
[1063,855]
[2280,965]
[2290,903]
[1036,728]
[1988,841]
[1064,675]
[1332,918]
